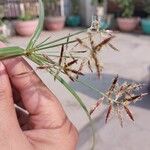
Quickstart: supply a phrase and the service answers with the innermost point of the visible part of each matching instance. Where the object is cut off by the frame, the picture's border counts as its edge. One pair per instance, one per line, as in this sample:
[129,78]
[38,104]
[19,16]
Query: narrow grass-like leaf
[71,90]
[56,45]
[67,41]
[8,52]
[63,38]
[86,84]
[39,27]
[43,41]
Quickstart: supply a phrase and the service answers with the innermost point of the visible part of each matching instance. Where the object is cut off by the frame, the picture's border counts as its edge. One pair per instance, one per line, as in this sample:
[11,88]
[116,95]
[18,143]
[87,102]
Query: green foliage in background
[52,7]
[147,6]
[3,38]
[127,7]
[97,2]
[26,17]
[75,7]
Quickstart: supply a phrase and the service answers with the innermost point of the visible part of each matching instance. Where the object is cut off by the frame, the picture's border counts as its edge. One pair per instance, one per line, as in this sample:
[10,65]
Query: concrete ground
[131,63]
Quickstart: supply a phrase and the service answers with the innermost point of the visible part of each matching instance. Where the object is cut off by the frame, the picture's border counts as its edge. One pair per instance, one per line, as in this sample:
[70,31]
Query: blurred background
[126,15]
[130,21]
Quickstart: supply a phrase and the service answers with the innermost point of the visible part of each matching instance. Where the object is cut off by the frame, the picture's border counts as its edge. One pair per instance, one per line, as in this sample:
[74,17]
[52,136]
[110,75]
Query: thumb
[8,117]
[9,126]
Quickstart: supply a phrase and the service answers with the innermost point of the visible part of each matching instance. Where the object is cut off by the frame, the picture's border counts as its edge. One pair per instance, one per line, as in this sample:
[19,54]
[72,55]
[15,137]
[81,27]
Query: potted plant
[106,21]
[74,19]
[146,22]
[2,31]
[127,22]
[55,19]
[99,7]
[26,24]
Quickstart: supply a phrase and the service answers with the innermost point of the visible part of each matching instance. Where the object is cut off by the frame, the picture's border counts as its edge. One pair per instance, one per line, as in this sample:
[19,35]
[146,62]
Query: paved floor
[131,63]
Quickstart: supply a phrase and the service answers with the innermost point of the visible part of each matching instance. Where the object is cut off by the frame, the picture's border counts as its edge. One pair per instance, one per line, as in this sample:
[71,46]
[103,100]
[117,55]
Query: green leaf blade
[8,52]
[39,27]
[61,39]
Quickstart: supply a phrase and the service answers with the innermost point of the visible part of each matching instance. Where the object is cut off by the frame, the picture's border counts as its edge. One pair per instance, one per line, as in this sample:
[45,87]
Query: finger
[9,126]
[8,117]
[45,110]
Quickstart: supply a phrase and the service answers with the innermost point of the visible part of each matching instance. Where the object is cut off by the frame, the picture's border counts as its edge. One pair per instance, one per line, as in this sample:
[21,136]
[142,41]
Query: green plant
[70,61]
[1,11]
[147,6]
[3,38]
[1,22]
[52,7]
[127,7]
[27,16]
[99,2]
[75,7]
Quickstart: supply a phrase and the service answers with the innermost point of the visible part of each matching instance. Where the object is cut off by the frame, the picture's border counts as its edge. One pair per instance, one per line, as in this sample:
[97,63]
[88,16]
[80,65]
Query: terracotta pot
[26,28]
[127,24]
[54,23]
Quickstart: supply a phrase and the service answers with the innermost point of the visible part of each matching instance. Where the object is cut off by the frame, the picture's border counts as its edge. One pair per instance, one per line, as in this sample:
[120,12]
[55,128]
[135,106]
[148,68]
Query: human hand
[45,126]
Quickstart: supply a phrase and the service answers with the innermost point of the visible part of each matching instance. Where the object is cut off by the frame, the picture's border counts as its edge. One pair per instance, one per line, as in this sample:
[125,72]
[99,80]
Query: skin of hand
[45,126]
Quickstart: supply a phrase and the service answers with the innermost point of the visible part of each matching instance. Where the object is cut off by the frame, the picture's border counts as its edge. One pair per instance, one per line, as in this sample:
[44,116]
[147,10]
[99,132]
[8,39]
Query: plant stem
[71,90]
[39,27]
[96,90]
[93,88]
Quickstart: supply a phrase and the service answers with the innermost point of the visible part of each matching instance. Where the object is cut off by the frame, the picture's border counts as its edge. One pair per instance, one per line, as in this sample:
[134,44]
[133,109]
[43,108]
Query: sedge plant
[71,55]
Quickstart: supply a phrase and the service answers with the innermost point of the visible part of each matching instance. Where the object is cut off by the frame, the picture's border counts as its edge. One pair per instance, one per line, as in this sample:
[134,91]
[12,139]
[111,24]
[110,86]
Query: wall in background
[86,12]
[67,7]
